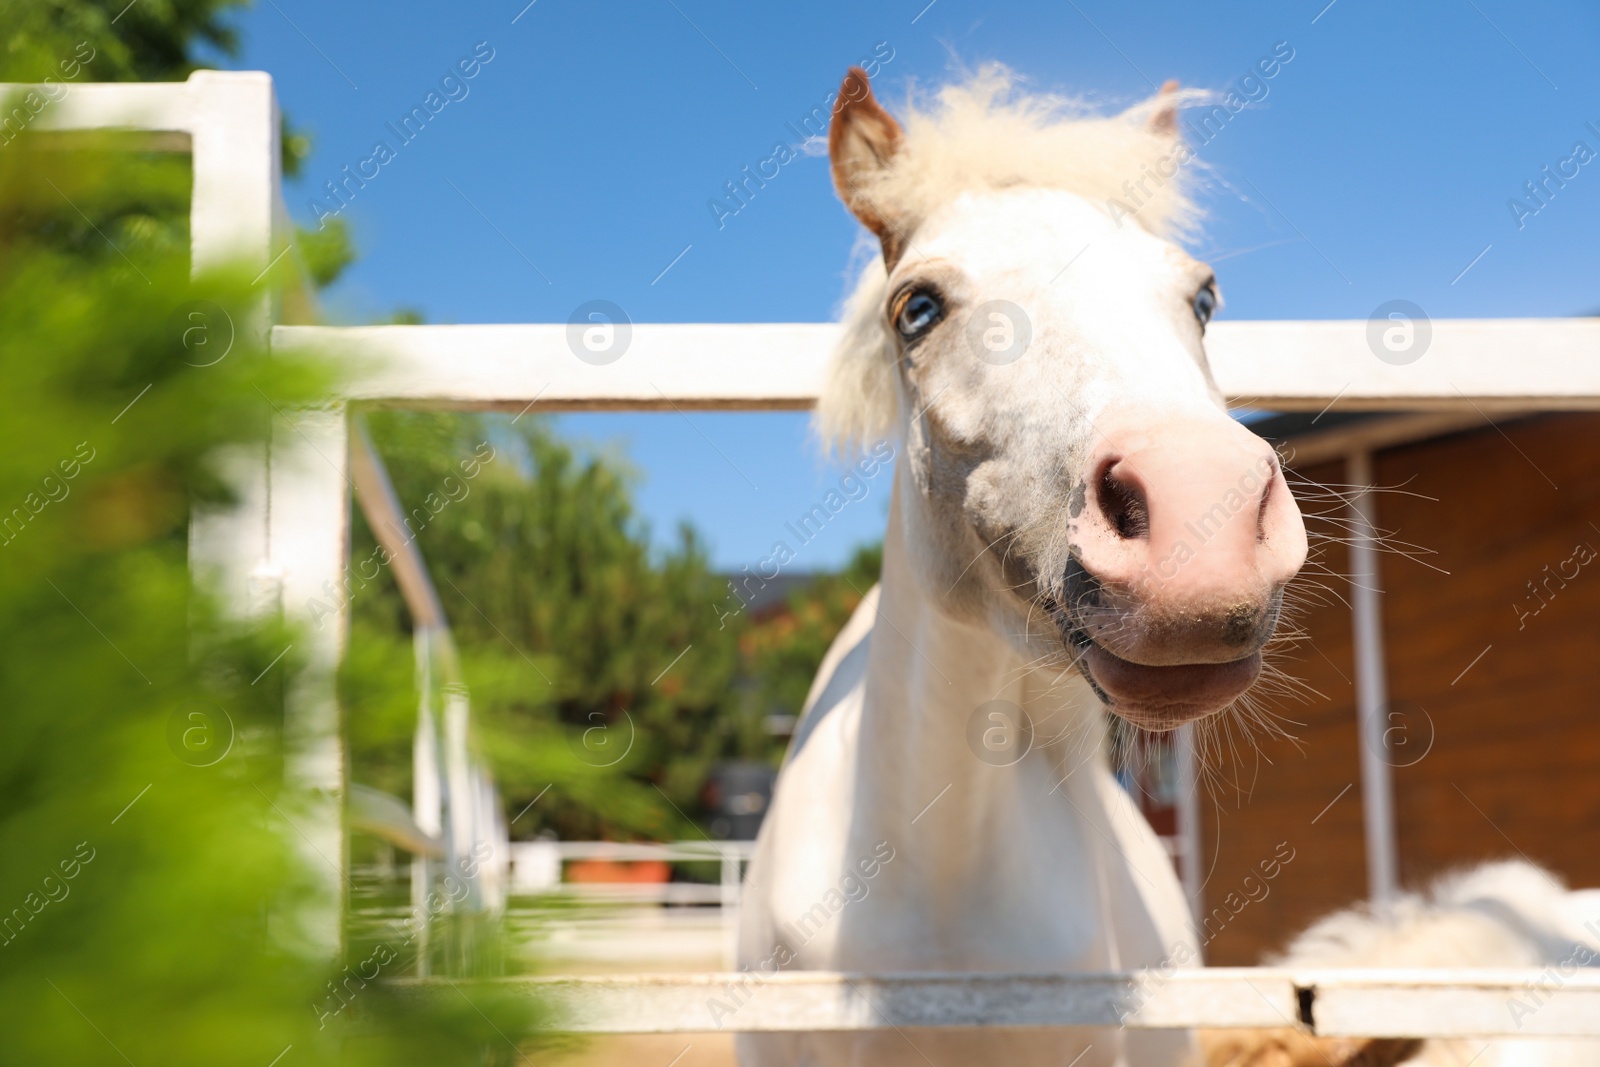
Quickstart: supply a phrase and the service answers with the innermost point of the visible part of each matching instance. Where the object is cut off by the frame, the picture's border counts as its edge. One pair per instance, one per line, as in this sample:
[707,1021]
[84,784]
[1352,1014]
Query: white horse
[1076,524]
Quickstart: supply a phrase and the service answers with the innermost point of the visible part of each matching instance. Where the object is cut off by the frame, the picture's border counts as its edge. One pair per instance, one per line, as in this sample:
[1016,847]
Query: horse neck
[927,677]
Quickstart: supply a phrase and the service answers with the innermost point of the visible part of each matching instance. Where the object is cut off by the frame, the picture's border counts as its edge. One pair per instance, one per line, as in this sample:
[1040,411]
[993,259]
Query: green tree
[152,40]
[597,667]
[783,652]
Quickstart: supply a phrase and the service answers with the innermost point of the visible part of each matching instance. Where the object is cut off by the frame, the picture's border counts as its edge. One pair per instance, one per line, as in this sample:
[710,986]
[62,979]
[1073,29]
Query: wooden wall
[1500,756]
[1266,795]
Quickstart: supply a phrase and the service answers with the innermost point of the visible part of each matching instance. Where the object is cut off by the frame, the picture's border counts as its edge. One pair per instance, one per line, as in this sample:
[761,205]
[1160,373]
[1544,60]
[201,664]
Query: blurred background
[624,690]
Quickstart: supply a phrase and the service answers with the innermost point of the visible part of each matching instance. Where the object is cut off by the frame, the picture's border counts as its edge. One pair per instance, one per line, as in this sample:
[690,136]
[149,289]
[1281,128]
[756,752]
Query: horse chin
[1162,698]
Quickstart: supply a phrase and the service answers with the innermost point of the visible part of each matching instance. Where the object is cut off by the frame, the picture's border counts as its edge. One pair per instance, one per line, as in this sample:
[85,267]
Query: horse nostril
[1123,503]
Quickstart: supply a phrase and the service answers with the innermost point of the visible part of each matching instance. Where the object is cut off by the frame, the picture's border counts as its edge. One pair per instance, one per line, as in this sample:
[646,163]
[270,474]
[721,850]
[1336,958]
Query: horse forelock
[986,134]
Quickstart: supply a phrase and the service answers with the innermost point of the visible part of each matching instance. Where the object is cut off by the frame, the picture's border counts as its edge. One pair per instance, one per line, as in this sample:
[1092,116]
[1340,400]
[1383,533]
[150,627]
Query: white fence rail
[288,539]
[1482,364]
[1397,1003]
[536,867]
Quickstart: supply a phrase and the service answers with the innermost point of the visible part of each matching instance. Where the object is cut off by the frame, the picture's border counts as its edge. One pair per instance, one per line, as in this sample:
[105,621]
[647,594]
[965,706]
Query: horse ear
[1164,118]
[861,143]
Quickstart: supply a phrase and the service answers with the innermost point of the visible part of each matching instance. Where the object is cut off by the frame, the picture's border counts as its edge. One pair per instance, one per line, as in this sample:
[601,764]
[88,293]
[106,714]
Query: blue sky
[582,158]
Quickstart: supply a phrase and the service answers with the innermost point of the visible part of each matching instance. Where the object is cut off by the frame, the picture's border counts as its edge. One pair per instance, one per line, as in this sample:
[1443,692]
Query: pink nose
[1189,532]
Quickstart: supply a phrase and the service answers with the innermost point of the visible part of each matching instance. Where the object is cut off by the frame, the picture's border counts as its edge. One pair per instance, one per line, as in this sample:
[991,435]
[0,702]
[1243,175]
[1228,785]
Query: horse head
[1036,338]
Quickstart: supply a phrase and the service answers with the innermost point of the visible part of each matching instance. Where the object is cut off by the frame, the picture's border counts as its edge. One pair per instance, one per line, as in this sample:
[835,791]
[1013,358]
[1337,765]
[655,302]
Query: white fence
[633,923]
[1329,1003]
[1471,365]
[554,919]
[536,868]
[288,538]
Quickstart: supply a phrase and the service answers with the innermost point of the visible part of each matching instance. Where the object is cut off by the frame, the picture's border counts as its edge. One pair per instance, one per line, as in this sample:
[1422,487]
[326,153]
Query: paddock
[288,540]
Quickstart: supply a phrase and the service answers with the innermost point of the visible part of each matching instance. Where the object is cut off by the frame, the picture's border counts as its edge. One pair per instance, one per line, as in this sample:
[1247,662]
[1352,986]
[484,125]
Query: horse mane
[979,134]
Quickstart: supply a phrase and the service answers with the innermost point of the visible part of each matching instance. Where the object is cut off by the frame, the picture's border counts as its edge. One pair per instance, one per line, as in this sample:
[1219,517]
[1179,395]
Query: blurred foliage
[596,667]
[152,40]
[782,652]
[152,881]
[325,251]
[406,315]
[297,144]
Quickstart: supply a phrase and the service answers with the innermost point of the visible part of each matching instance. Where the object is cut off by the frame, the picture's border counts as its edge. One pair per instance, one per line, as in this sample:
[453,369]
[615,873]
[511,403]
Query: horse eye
[1205,304]
[918,313]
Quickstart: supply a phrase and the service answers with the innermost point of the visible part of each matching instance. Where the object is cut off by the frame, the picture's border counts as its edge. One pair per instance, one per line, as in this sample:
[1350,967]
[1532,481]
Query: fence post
[730,904]
[1372,685]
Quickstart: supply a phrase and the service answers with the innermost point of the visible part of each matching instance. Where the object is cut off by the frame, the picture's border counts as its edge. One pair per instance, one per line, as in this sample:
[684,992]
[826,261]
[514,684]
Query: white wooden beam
[821,1000]
[231,119]
[1487,364]
[1424,1003]
[1394,1003]
[1530,364]
[237,173]
[754,366]
[309,542]
[152,107]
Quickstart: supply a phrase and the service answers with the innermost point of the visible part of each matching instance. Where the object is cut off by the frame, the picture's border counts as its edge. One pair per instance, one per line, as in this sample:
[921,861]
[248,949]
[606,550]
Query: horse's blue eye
[1205,304]
[918,314]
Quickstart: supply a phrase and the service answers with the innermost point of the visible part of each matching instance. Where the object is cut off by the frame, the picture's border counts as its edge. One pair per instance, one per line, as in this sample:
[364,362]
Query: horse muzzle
[1185,538]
